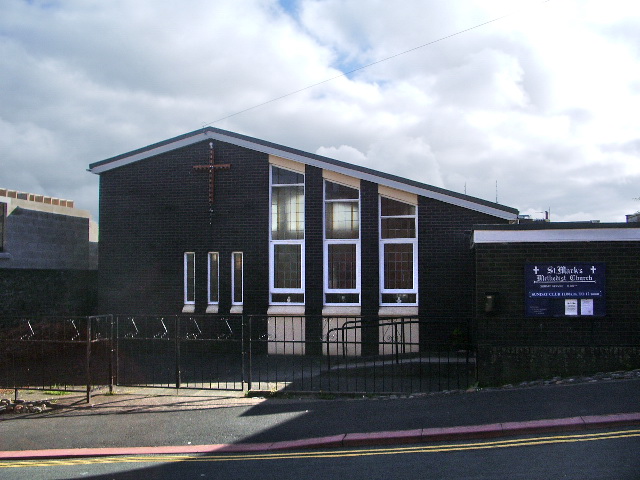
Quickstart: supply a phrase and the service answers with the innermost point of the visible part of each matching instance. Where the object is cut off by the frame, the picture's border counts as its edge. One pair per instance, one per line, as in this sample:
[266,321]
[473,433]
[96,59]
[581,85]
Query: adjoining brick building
[556,299]
[48,255]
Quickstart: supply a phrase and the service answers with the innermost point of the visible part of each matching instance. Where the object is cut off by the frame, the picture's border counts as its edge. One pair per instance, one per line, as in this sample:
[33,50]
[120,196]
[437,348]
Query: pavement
[144,421]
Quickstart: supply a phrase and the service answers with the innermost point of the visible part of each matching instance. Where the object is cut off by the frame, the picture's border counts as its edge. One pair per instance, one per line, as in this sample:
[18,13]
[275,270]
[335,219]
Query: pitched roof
[363,173]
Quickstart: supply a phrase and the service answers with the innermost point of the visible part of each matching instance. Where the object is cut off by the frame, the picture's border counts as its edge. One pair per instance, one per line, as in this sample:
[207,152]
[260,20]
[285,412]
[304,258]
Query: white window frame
[186,277]
[233,279]
[402,241]
[217,273]
[272,245]
[340,241]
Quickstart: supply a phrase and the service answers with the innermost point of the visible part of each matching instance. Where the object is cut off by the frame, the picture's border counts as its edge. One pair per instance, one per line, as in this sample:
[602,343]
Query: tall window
[237,281]
[214,276]
[189,278]
[286,254]
[342,244]
[398,253]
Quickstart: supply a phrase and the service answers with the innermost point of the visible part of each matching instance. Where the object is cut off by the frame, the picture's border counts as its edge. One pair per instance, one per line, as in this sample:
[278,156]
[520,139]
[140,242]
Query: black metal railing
[55,353]
[234,352]
[359,354]
[180,351]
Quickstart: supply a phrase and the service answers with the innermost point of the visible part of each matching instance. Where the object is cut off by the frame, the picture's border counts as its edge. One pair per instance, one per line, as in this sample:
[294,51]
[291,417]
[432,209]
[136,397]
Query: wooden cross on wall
[211,167]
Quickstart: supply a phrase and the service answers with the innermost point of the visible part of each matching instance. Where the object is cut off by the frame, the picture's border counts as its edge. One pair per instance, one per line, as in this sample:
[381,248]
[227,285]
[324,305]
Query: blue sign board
[565,289]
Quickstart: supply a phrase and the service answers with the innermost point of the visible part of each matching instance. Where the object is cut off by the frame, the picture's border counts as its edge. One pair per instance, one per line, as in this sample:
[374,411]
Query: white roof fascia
[309,161]
[559,235]
[367,176]
[149,153]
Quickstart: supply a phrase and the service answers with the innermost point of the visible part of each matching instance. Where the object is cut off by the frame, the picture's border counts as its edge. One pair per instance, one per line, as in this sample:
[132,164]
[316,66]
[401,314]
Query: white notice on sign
[586,306]
[571,306]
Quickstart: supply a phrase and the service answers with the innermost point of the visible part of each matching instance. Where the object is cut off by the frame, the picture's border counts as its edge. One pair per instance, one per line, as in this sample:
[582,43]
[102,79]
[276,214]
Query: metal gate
[359,354]
[180,351]
[234,352]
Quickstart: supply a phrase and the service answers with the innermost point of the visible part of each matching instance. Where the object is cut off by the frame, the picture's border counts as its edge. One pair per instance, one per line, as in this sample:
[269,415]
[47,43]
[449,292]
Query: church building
[214,222]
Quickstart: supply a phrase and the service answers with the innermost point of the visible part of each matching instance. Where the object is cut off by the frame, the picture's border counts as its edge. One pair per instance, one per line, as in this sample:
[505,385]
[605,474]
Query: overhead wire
[345,74]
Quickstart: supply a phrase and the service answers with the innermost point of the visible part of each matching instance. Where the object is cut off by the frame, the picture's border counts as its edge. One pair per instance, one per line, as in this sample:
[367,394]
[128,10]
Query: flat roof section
[546,232]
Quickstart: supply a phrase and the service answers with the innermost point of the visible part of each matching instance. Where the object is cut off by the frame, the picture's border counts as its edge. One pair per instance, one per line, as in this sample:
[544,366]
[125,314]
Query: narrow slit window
[214,278]
[189,278]
[237,282]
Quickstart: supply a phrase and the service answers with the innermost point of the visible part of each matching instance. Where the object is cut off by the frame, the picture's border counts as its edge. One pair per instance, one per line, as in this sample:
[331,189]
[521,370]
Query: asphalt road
[600,455]
[280,420]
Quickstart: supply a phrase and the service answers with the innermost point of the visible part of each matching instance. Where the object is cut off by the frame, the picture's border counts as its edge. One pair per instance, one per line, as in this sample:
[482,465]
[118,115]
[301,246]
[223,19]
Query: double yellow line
[481,445]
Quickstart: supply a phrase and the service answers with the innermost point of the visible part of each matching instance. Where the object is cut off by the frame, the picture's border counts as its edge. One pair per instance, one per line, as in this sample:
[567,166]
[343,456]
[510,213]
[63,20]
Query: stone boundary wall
[499,365]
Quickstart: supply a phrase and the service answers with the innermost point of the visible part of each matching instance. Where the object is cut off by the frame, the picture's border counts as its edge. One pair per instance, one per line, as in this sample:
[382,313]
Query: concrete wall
[42,236]
[42,240]
[49,257]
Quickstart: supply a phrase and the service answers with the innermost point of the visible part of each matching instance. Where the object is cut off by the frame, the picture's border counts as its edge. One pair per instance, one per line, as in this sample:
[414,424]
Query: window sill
[341,310]
[398,311]
[189,308]
[286,310]
[236,309]
[212,309]
[5,256]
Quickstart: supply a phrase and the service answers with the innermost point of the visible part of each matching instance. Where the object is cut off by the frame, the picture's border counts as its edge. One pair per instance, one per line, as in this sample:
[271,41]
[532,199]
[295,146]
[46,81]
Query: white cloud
[542,101]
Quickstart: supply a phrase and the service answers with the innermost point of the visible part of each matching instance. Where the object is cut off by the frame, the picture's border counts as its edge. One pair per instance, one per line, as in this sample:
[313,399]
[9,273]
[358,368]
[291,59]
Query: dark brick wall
[47,292]
[370,263]
[369,248]
[446,263]
[314,280]
[577,342]
[154,210]
[313,207]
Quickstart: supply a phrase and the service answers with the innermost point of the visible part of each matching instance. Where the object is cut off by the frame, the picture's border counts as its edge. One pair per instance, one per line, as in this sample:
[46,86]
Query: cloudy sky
[544,101]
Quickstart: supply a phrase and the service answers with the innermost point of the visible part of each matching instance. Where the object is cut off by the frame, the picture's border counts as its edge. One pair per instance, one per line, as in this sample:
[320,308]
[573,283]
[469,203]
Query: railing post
[247,349]
[328,339]
[88,363]
[117,348]
[396,340]
[110,353]
[177,330]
